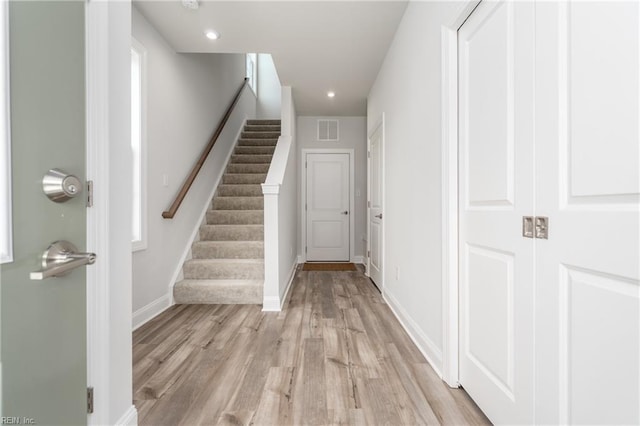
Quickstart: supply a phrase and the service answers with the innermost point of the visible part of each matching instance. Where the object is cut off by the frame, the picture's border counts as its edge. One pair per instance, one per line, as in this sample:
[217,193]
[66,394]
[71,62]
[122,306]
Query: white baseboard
[358,259]
[292,275]
[130,418]
[150,311]
[301,258]
[426,346]
[274,303]
[194,233]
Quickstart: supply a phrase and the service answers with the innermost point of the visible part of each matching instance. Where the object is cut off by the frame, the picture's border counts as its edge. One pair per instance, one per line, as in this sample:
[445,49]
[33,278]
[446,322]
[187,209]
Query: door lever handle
[59,259]
[379,216]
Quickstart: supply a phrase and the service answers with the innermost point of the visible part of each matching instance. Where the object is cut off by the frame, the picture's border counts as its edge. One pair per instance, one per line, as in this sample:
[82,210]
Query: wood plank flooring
[335,355]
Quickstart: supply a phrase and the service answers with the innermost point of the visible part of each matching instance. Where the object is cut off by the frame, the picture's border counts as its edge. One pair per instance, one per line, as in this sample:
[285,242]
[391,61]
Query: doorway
[375,203]
[328,205]
[548,248]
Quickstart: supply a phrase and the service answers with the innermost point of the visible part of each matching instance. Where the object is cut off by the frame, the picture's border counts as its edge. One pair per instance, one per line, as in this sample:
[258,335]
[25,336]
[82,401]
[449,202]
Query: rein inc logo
[17,421]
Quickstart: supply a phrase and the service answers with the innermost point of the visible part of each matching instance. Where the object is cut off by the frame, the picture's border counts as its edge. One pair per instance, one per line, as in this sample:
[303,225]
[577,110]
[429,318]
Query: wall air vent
[328,130]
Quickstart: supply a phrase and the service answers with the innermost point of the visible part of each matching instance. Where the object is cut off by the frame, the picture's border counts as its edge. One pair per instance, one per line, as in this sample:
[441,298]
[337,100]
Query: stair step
[257,142]
[260,135]
[262,128]
[232,233]
[224,269]
[263,122]
[238,203]
[227,292]
[242,190]
[248,168]
[251,159]
[255,150]
[241,178]
[235,217]
[228,250]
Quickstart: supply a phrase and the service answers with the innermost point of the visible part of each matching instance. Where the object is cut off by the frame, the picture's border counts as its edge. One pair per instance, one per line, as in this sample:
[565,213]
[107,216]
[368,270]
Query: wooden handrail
[168,214]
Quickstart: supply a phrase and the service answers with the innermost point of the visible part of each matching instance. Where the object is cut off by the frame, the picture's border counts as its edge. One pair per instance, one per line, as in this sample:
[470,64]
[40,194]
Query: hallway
[335,355]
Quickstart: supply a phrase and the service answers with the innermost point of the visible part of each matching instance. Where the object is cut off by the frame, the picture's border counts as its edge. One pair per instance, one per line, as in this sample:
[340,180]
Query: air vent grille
[328,130]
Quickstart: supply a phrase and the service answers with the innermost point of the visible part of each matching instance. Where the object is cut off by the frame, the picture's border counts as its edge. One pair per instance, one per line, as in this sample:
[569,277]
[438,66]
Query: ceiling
[317,46]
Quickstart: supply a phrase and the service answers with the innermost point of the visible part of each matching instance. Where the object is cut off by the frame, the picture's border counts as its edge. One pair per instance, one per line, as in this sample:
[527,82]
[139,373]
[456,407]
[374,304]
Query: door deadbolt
[60,186]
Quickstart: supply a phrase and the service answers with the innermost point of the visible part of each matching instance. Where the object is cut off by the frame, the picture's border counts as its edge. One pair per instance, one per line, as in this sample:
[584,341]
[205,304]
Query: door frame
[303,197]
[450,218]
[100,22]
[379,124]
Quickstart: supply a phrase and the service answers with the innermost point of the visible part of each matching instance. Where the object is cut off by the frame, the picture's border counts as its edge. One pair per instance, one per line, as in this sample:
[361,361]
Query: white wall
[187,94]
[407,91]
[280,211]
[353,135]
[269,91]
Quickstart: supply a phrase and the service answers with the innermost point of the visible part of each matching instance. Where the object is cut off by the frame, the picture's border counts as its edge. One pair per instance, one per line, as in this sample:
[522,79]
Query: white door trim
[97,158]
[303,197]
[379,125]
[449,102]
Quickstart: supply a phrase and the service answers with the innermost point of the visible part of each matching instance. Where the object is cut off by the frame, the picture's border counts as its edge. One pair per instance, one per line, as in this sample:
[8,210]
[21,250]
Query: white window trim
[6,244]
[142,243]
[254,61]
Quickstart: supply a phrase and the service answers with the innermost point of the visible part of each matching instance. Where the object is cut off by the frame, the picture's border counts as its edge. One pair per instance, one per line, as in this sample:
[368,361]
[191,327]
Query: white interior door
[496,190]
[327,206]
[375,205]
[588,163]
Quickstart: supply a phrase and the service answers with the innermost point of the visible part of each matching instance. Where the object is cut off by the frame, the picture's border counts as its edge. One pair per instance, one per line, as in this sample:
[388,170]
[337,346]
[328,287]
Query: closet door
[588,184]
[496,190]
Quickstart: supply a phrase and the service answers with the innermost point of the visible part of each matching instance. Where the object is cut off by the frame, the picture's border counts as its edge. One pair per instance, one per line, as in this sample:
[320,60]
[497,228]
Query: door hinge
[89,193]
[89,400]
[305,164]
[369,204]
[369,253]
[368,154]
[305,206]
[305,249]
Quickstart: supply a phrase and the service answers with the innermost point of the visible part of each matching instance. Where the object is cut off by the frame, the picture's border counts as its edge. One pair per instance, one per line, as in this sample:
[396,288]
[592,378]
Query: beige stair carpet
[227,265]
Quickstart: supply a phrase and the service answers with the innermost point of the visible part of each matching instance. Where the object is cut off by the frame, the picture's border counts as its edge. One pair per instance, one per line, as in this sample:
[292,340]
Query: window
[6,252]
[252,71]
[138,146]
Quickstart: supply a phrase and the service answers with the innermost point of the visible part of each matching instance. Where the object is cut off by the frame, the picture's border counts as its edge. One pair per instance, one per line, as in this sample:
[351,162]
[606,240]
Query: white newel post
[271,292]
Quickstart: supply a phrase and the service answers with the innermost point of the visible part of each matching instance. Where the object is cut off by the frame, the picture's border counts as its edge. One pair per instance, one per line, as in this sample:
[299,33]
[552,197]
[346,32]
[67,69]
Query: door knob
[379,216]
[345,212]
[60,258]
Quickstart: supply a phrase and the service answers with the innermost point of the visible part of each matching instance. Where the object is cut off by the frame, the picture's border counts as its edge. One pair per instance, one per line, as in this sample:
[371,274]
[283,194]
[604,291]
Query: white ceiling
[317,46]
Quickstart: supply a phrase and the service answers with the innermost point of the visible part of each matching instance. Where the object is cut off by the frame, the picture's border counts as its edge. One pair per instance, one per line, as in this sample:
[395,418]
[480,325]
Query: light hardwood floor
[334,355]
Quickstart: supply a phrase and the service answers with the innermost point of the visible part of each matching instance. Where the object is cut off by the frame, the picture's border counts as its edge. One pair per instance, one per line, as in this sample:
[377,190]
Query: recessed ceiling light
[331,94]
[212,35]
[190,4]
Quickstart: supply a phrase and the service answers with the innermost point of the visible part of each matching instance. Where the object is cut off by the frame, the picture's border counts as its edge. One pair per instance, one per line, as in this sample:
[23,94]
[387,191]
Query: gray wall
[408,91]
[269,90]
[187,94]
[353,135]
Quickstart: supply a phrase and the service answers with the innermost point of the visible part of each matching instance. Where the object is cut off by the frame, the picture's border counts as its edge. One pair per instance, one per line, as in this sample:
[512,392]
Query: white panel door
[587,162]
[375,210]
[496,190]
[327,204]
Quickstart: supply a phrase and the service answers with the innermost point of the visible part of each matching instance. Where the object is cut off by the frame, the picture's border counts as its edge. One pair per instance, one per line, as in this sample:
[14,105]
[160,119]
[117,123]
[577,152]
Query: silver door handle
[59,259]
[345,212]
[379,216]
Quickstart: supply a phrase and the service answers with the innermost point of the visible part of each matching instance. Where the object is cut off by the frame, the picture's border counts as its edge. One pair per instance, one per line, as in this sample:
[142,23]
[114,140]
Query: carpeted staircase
[227,265]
